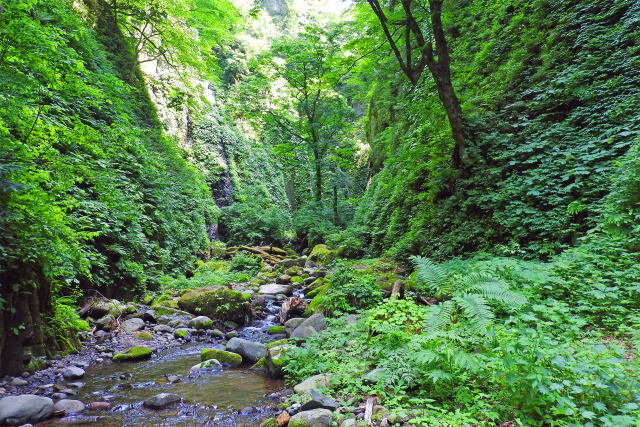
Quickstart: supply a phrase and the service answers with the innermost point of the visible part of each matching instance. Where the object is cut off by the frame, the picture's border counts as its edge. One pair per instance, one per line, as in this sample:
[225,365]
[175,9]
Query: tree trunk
[318,175]
[452,107]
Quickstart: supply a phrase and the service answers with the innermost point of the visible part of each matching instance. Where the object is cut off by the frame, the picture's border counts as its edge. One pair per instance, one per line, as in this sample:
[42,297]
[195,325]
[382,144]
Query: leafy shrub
[349,292]
[243,262]
[252,223]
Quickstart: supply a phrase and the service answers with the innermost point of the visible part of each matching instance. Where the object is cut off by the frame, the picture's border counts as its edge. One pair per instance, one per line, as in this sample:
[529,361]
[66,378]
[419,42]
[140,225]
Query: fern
[429,274]
[469,299]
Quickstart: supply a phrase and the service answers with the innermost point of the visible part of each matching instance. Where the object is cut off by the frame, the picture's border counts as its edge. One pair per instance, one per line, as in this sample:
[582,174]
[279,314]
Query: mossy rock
[168,311]
[317,302]
[134,353]
[181,333]
[221,303]
[292,271]
[320,290]
[259,364]
[143,336]
[315,284]
[224,357]
[271,422]
[165,300]
[323,255]
[276,330]
[276,343]
[297,279]
[275,359]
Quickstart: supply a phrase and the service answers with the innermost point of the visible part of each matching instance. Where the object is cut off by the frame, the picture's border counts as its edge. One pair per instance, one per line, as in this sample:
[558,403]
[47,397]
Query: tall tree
[297,91]
[414,31]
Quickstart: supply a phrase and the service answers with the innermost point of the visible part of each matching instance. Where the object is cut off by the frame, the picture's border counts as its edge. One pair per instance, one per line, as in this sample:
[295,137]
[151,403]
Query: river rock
[313,399]
[201,322]
[132,325]
[149,316]
[310,326]
[18,382]
[284,279]
[274,361]
[219,303]
[73,373]
[106,322]
[69,406]
[275,289]
[163,328]
[99,308]
[225,357]
[292,307]
[283,419]
[26,408]
[312,418]
[312,383]
[161,400]
[250,351]
[291,324]
[349,422]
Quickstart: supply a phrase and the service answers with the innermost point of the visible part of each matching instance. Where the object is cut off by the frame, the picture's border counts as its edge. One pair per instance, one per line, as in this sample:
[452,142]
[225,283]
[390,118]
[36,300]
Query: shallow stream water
[227,397]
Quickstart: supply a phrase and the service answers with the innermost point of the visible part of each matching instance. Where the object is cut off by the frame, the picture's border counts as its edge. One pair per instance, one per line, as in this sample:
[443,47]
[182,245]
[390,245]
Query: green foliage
[245,263]
[468,298]
[548,91]
[348,292]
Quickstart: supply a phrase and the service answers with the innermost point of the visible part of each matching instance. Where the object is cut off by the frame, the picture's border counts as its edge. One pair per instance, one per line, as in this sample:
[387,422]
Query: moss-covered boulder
[275,359]
[276,343]
[297,281]
[134,353]
[167,299]
[218,303]
[276,330]
[224,357]
[323,255]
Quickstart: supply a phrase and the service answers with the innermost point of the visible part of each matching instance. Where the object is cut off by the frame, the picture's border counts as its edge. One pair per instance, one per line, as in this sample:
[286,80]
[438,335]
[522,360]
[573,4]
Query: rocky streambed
[158,364]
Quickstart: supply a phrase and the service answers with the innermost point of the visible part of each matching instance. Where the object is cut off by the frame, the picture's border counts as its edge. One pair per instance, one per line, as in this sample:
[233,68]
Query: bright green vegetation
[146,336]
[132,354]
[492,347]
[221,356]
[468,171]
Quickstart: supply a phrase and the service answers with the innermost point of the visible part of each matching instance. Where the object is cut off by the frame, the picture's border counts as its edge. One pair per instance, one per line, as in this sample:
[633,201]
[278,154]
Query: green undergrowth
[504,340]
[241,268]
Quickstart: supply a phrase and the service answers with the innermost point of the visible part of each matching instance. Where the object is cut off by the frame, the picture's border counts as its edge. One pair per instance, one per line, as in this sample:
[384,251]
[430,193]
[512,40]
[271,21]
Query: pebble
[73,372]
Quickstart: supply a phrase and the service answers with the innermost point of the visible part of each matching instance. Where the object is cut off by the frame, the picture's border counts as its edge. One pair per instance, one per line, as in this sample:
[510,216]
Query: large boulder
[219,303]
[312,383]
[310,326]
[132,325]
[224,357]
[291,324]
[23,409]
[275,289]
[313,399]
[322,255]
[312,418]
[275,359]
[249,350]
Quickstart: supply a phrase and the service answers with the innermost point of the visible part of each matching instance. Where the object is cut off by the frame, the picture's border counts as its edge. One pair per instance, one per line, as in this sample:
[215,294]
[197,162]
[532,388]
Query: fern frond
[439,317]
[429,274]
[477,311]
[466,361]
[427,357]
[493,289]
[437,375]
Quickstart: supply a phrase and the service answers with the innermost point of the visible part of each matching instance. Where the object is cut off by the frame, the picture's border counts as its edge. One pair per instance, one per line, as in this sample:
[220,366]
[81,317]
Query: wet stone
[161,400]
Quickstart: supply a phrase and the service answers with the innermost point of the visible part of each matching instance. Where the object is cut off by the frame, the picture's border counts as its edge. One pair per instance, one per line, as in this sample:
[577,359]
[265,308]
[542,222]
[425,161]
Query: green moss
[271,422]
[259,364]
[180,333]
[276,330]
[166,311]
[322,255]
[143,336]
[222,356]
[292,271]
[220,303]
[297,279]
[317,291]
[315,284]
[165,300]
[317,301]
[134,353]
[276,343]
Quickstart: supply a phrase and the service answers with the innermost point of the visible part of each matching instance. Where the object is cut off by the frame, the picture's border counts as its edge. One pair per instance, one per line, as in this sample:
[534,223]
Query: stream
[226,397]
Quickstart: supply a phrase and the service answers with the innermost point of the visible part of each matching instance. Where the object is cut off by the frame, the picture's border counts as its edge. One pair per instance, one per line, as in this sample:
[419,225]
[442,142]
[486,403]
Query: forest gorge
[416,212]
